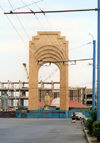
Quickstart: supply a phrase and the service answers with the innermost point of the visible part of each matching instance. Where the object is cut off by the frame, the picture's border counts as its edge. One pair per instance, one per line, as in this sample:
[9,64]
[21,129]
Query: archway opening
[49,84]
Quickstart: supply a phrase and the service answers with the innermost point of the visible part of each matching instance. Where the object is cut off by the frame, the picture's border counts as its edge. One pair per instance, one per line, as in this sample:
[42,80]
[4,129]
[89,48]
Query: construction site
[15,94]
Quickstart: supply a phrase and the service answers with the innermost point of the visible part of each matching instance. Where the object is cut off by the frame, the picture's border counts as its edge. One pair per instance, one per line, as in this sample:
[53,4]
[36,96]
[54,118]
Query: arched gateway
[48,47]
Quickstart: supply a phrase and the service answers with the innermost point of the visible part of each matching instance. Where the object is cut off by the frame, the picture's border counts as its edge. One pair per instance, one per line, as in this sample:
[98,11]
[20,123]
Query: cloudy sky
[17,31]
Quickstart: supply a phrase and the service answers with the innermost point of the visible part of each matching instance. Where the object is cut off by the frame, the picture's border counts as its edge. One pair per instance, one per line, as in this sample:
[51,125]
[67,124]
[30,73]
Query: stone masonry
[48,47]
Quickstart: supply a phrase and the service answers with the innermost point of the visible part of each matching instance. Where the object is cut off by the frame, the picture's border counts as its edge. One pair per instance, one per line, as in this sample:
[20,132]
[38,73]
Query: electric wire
[15,28]
[31,11]
[71,49]
[78,10]
[53,11]
[35,17]
[81,46]
[43,14]
[51,74]
[19,21]
[76,60]
[47,21]
[47,39]
[52,26]
[28,4]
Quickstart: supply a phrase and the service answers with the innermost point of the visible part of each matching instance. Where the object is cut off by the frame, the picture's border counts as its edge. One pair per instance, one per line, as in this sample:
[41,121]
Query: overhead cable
[31,11]
[53,11]
[47,39]
[81,46]
[28,4]
[14,28]
[47,20]
[64,61]
[19,21]
[51,74]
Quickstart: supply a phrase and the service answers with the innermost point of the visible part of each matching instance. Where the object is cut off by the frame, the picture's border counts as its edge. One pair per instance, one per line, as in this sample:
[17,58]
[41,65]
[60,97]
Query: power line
[76,60]
[89,59]
[46,19]
[38,18]
[35,15]
[19,21]
[28,5]
[51,74]
[31,11]
[43,13]
[58,11]
[53,11]
[14,28]
[81,46]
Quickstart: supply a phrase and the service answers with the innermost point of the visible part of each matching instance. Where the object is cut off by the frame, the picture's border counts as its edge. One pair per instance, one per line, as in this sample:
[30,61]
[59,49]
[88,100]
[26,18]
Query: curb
[89,139]
[86,135]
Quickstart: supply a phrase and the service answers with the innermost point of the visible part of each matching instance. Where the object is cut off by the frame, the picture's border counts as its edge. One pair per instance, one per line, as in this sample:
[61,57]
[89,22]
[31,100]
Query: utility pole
[94,68]
[98,65]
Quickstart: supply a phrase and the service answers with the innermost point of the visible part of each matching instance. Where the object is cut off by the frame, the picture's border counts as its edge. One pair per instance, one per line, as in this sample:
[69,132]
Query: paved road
[40,131]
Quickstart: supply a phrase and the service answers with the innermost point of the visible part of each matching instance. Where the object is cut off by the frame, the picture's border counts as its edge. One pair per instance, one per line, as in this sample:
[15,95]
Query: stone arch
[49,48]
[43,50]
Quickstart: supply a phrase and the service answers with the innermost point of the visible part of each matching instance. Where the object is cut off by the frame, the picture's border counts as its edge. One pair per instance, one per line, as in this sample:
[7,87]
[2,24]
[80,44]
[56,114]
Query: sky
[75,27]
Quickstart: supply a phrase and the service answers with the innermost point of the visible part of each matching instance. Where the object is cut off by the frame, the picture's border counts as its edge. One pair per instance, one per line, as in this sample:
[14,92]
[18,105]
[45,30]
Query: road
[40,131]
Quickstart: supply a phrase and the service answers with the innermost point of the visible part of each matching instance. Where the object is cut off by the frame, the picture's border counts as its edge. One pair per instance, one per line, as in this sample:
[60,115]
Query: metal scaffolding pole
[98,66]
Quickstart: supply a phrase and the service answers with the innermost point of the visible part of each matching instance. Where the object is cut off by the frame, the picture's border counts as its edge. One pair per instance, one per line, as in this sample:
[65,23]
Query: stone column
[33,86]
[64,93]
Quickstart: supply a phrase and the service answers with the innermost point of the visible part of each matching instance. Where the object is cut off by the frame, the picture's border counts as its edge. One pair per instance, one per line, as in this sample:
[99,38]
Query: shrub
[93,114]
[96,129]
[89,122]
[88,125]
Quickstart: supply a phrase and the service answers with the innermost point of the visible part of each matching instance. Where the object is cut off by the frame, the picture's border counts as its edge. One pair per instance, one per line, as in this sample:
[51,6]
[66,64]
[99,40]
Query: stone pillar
[64,92]
[33,86]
